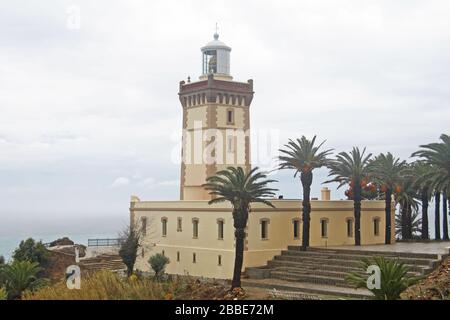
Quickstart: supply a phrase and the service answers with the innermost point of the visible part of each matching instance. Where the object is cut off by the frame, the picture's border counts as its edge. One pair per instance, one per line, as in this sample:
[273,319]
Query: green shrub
[158,262]
[3,294]
[393,281]
[103,285]
[129,248]
[19,276]
[30,250]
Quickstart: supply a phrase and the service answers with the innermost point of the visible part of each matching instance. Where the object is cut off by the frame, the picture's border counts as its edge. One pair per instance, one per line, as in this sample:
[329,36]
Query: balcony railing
[105,242]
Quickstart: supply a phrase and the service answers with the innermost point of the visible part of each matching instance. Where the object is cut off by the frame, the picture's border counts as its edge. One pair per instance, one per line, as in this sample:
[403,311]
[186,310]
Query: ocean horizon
[9,243]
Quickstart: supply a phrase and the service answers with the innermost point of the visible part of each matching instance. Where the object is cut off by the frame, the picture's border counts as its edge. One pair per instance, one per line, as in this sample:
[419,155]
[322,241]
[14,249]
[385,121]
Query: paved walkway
[413,247]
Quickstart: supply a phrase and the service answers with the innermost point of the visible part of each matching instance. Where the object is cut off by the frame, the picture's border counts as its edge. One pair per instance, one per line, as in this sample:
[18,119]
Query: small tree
[158,262]
[2,260]
[19,276]
[3,294]
[394,278]
[33,251]
[129,248]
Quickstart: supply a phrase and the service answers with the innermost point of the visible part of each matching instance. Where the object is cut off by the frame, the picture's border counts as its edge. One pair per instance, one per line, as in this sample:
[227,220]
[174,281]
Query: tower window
[179,224]
[195,228]
[178,256]
[144,226]
[264,229]
[376,226]
[219,260]
[324,228]
[163,253]
[349,227]
[164,226]
[296,225]
[230,142]
[194,258]
[230,116]
[220,223]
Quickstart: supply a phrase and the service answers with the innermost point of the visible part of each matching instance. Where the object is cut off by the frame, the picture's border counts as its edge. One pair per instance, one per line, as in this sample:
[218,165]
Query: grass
[105,285]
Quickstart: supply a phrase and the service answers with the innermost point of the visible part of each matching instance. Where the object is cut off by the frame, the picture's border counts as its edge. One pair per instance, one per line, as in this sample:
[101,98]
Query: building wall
[208,247]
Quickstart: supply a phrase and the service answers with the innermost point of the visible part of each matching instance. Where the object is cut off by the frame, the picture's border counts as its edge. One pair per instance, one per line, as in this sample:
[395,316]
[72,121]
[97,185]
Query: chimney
[326,195]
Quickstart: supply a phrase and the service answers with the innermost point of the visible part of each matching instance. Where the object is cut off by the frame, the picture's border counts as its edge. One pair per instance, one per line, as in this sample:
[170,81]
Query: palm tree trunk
[239,257]
[409,221]
[404,218]
[424,196]
[388,212]
[444,216]
[437,222]
[306,179]
[357,212]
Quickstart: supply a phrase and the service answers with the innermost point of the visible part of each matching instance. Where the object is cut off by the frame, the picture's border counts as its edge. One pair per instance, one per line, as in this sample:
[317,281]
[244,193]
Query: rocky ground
[436,286]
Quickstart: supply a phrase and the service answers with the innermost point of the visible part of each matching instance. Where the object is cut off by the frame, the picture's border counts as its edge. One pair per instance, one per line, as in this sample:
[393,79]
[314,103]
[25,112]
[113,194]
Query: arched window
[296,228]
[350,227]
[264,229]
[220,225]
[376,226]
[324,227]
[164,226]
[195,228]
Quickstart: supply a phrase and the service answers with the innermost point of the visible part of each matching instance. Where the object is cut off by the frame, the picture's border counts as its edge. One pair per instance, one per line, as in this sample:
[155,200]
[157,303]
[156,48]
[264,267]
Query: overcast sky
[89,113]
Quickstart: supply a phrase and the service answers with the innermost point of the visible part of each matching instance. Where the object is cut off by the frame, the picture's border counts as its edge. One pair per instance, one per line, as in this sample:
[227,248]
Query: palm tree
[407,198]
[444,215]
[303,156]
[437,218]
[240,189]
[386,171]
[438,156]
[20,276]
[352,168]
[416,223]
[420,173]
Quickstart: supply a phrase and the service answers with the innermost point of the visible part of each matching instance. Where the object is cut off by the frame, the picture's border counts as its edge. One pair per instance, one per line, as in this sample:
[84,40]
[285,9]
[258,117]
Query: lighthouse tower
[216,121]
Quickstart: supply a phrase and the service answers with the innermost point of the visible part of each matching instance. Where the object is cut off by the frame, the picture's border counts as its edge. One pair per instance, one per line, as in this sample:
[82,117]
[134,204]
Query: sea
[9,243]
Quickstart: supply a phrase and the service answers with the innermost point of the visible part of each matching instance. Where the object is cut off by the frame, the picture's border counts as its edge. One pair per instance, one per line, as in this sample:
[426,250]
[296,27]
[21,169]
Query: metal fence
[105,242]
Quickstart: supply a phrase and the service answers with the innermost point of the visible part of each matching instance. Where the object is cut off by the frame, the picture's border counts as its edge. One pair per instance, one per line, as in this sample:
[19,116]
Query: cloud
[82,108]
[120,182]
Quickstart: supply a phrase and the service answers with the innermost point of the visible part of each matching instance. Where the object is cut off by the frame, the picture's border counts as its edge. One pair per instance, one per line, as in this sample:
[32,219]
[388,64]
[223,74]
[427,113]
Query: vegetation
[352,169]
[437,156]
[3,293]
[303,157]
[158,262]
[106,285]
[394,278]
[129,248]
[2,260]
[386,171]
[20,276]
[240,189]
[33,251]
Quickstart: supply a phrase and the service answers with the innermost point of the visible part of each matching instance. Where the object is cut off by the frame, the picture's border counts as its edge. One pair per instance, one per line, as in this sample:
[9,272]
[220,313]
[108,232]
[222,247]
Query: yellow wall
[280,232]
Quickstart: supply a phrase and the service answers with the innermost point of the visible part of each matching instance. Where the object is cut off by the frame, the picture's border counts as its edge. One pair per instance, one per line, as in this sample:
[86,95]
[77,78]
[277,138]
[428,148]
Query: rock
[65,241]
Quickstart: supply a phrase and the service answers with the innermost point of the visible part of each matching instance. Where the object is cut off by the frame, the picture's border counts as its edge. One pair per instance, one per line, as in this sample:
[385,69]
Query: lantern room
[216,58]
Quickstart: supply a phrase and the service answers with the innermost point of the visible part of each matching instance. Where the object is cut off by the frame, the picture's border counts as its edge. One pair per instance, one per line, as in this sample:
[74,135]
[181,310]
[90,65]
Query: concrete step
[310,266]
[349,260]
[430,256]
[326,280]
[309,288]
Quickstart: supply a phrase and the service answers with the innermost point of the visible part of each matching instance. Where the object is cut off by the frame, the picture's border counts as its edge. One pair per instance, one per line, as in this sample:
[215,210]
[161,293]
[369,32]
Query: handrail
[107,242]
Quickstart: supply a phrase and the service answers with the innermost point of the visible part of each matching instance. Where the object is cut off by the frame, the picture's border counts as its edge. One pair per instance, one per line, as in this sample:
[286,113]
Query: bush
[104,285]
[2,260]
[3,294]
[129,248]
[158,262]
[19,276]
[30,250]
[394,278]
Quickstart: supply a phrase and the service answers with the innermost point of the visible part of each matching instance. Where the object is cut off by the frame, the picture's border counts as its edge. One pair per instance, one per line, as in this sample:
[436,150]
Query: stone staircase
[323,271]
[111,262]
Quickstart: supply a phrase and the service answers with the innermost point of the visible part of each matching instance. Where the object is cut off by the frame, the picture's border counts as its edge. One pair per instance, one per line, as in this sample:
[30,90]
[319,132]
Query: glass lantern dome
[216,58]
